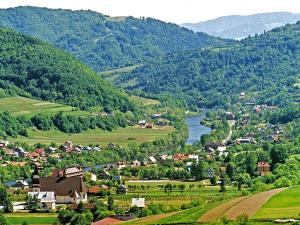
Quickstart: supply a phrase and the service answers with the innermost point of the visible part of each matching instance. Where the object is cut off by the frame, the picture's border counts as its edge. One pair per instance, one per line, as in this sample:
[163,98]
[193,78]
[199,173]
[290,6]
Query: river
[196,130]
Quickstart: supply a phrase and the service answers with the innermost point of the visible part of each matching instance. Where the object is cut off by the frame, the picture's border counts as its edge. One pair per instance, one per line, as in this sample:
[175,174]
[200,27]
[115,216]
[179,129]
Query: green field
[31,218]
[283,205]
[26,106]
[120,136]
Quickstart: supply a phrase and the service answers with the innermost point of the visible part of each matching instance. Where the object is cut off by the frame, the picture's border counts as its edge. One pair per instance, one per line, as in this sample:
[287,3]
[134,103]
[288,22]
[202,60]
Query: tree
[5,200]
[223,183]
[278,154]
[198,170]
[110,203]
[181,188]
[242,178]
[33,203]
[230,170]
[251,162]
[65,216]
[213,180]
[3,220]
[168,188]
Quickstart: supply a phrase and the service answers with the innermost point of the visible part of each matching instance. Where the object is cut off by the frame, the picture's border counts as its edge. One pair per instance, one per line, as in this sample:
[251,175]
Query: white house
[139,202]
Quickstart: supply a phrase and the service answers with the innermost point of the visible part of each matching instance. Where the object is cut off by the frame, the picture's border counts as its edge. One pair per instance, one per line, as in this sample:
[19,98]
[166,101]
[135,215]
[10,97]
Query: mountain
[266,66]
[32,68]
[238,27]
[104,42]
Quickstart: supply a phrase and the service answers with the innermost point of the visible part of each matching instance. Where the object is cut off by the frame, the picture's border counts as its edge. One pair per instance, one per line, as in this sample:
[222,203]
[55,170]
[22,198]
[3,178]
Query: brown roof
[63,186]
[106,221]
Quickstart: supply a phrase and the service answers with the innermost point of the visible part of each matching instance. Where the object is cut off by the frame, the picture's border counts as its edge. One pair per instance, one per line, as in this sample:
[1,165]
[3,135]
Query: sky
[176,11]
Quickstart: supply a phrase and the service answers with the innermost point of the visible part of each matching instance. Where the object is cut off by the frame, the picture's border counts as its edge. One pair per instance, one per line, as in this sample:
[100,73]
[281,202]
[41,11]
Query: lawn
[31,218]
[283,205]
[26,106]
[120,136]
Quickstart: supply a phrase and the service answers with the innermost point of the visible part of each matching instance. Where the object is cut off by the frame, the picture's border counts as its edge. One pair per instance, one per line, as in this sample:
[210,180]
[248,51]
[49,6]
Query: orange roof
[107,221]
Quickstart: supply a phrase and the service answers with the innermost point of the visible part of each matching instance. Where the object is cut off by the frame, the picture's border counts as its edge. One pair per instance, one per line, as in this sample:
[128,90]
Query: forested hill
[30,67]
[104,42]
[267,66]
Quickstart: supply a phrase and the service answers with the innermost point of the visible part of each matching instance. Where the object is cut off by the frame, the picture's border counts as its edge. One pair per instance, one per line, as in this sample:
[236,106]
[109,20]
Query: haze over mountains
[104,42]
[238,27]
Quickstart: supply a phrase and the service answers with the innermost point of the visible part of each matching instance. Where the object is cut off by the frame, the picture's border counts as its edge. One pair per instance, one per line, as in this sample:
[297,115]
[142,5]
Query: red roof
[106,221]
[40,151]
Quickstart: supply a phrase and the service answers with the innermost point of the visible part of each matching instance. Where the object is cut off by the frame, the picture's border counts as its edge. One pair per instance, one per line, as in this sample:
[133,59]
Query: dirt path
[219,211]
[250,205]
[236,207]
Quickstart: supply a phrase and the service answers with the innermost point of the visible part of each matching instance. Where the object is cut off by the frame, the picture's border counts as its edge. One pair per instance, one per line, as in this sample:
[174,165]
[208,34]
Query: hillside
[266,66]
[32,68]
[104,42]
[238,27]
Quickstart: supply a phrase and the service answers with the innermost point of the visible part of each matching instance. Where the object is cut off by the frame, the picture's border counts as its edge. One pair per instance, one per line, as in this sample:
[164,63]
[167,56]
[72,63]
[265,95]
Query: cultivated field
[208,197]
[27,106]
[120,136]
[283,205]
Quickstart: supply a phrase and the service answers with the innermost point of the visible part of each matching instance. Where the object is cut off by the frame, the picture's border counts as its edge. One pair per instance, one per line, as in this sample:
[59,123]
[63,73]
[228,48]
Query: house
[66,189]
[180,157]
[135,163]
[149,125]
[103,175]
[93,177]
[21,184]
[68,172]
[120,165]
[156,116]
[142,122]
[46,199]
[165,157]
[107,221]
[67,146]
[152,160]
[117,177]
[40,151]
[139,202]
[263,168]
[122,190]
[20,164]
[96,189]
[21,152]
[4,143]
[229,116]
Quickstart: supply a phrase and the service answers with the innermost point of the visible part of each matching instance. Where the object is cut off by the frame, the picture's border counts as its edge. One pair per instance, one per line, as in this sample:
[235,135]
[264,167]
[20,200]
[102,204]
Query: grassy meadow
[26,106]
[283,205]
[21,106]
[31,218]
[122,136]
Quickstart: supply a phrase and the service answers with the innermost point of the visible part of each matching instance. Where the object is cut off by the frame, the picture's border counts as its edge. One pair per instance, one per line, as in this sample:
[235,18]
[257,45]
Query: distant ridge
[238,27]
[104,42]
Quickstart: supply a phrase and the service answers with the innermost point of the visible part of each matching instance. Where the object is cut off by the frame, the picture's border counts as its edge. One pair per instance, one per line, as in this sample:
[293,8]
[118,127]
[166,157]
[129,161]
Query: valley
[123,120]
